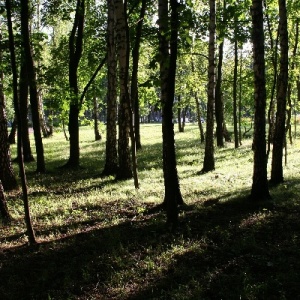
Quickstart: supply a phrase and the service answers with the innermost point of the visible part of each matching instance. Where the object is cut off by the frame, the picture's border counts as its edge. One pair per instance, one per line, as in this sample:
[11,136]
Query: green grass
[98,241]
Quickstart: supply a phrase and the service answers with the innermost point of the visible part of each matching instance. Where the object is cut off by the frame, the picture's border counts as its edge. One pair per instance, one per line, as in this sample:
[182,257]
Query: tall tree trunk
[7,176]
[125,165]
[290,85]
[75,52]
[23,99]
[282,84]
[31,73]
[235,75]
[271,111]
[111,161]
[209,159]
[219,110]
[260,190]
[134,76]
[173,195]
[240,98]
[30,232]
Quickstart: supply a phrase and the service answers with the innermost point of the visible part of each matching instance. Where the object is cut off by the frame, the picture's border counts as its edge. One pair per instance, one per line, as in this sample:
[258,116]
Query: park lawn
[102,239]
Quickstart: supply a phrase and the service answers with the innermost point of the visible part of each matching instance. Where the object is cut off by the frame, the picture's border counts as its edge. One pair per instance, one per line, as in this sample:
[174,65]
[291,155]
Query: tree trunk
[219,110]
[4,213]
[13,131]
[125,165]
[111,161]
[95,116]
[44,127]
[235,118]
[271,111]
[75,52]
[209,159]
[282,84]
[30,232]
[7,176]
[23,99]
[173,195]
[31,75]
[260,190]
[134,76]
[290,85]
[202,139]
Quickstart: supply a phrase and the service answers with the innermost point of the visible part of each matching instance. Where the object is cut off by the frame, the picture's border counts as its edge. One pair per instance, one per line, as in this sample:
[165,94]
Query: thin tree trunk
[111,161]
[95,116]
[240,99]
[173,195]
[202,138]
[7,176]
[30,232]
[23,99]
[235,75]
[209,159]
[219,111]
[134,76]
[260,190]
[282,84]
[75,52]
[125,164]
[271,111]
[31,73]
[289,92]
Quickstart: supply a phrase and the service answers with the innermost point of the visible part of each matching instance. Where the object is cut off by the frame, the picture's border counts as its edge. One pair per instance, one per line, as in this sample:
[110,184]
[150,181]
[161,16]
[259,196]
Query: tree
[30,232]
[134,75]
[31,75]
[7,176]
[209,160]
[75,52]
[125,165]
[111,160]
[260,190]
[173,196]
[282,85]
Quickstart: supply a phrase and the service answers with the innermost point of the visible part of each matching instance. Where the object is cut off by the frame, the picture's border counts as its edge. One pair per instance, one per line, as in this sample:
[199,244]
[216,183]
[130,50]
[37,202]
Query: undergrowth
[102,239]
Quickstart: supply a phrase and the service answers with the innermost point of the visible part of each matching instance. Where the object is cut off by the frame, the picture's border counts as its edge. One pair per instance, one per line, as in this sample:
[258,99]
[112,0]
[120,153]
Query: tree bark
[75,52]
[111,161]
[209,159]
[30,232]
[219,110]
[235,116]
[4,213]
[202,138]
[23,98]
[125,165]
[95,116]
[173,196]
[31,75]
[134,76]
[7,176]
[260,190]
[282,85]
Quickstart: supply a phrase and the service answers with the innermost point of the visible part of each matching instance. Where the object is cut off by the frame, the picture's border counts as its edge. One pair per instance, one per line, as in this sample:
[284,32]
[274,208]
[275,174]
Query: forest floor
[102,239]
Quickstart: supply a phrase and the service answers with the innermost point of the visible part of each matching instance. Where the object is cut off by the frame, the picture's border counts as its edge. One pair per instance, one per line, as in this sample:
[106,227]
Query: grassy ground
[99,240]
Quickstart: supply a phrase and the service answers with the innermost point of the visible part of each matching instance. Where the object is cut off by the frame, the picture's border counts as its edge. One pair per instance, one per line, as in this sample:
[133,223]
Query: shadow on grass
[233,249]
